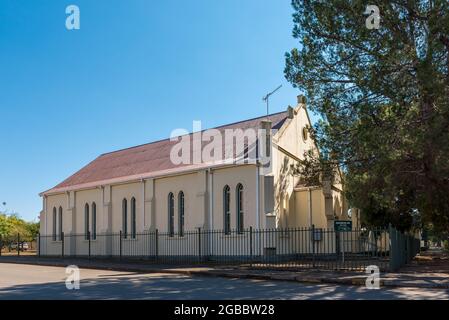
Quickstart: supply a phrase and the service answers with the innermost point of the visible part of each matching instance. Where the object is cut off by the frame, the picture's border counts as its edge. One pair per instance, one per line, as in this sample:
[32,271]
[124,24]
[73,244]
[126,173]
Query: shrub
[446,245]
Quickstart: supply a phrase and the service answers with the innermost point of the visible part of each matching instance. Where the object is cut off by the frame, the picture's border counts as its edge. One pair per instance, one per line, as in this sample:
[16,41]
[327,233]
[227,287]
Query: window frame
[133,218]
[54,225]
[86,222]
[239,196]
[94,221]
[60,222]
[227,210]
[171,214]
[125,218]
[181,213]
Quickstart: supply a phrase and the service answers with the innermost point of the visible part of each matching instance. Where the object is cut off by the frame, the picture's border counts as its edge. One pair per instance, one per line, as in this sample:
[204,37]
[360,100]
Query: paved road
[38,282]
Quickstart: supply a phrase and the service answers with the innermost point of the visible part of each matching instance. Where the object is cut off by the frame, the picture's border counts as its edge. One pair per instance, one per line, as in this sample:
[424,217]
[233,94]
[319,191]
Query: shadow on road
[152,286]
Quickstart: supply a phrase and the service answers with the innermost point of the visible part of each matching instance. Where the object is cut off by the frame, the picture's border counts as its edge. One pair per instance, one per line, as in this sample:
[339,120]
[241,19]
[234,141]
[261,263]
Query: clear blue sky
[136,70]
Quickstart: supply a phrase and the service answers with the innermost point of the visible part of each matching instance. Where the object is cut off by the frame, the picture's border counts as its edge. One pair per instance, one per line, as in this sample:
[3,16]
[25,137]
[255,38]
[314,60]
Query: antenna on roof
[266,97]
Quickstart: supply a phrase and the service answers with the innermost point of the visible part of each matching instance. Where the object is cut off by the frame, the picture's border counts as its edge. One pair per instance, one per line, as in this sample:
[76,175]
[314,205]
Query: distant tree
[33,229]
[383,98]
[4,225]
[11,225]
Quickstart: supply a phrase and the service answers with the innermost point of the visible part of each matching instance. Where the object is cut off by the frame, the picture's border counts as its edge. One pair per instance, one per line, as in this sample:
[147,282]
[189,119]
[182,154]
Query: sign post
[343,226]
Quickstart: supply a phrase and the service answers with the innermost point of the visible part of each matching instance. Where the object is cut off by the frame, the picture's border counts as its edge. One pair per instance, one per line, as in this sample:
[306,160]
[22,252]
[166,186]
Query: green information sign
[342,225]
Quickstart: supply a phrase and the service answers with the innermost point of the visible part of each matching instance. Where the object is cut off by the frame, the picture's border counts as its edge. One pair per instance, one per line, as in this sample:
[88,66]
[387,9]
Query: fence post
[402,249]
[313,245]
[199,243]
[157,244]
[62,244]
[392,243]
[88,236]
[396,249]
[251,243]
[406,249]
[18,244]
[39,244]
[120,246]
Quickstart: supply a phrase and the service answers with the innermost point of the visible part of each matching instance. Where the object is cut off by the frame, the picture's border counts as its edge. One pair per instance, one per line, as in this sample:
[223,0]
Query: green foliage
[11,225]
[383,99]
[434,234]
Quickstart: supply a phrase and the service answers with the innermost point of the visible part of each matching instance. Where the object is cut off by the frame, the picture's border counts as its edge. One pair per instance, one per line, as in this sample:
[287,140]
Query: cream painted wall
[318,217]
[302,209]
[88,197]
[290,139]
[246,175]
[195,187]
[191,185]
[127,191]
[56,201]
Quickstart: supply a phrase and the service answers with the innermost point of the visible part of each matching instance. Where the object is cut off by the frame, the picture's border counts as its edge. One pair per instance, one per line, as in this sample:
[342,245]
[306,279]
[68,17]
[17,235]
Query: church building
[142,189]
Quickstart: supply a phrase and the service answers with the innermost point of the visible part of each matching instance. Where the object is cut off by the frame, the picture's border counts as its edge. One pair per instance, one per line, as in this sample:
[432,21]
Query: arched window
[171,214]
[54,225]
[133,218]
[125,218]
[60,223]
[181,213]
[239,201]
[227,209]
[86,222]
[94,221]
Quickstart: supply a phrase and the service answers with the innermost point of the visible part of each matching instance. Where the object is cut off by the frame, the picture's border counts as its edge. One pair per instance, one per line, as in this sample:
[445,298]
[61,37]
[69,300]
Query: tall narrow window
[60,223]
[227,209]
[54,225]
[181,213]
[267,144]
[94,221]
[125,218]
[86,222]
[171,214]
[133,218]
[239,197]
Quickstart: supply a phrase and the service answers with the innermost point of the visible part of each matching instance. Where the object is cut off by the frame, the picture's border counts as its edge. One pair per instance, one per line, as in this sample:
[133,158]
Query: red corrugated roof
[145,159]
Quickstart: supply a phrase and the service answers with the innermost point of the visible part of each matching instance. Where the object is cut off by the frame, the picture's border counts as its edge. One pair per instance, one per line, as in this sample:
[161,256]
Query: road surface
[39,282]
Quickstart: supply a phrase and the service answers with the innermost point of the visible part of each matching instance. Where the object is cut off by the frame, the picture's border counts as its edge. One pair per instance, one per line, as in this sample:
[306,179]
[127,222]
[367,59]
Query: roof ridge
[165,139]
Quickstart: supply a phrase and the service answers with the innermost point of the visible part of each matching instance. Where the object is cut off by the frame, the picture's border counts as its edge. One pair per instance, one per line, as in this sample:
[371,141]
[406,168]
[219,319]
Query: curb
[359,281]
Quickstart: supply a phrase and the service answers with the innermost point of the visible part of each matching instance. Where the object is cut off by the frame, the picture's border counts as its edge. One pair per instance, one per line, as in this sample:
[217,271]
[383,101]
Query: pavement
[430,269]
[30,282]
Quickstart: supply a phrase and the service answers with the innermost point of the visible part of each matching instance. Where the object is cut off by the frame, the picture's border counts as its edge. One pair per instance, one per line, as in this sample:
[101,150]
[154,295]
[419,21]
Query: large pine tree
[383,94]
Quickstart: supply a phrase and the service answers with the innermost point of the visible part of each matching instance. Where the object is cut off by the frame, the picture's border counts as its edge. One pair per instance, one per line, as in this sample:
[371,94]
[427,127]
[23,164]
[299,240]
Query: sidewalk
[428,270]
